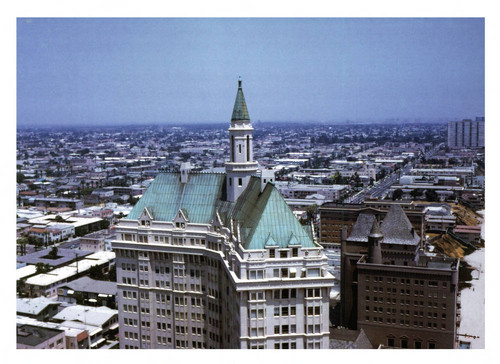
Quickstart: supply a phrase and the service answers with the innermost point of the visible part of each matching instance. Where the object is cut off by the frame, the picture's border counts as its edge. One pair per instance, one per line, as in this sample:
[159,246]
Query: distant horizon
[392,121]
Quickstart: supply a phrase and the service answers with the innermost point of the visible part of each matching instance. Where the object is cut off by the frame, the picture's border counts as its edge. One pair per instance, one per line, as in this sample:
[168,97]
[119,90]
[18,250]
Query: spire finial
[239,81]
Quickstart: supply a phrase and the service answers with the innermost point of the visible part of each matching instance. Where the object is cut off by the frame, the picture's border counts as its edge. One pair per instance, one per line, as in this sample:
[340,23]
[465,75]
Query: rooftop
[96,316]
[259,214]
[86,284]
[33,306]
[34,335]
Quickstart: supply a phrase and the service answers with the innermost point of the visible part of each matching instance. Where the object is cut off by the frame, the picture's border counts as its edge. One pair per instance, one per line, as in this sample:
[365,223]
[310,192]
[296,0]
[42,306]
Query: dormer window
[272,253]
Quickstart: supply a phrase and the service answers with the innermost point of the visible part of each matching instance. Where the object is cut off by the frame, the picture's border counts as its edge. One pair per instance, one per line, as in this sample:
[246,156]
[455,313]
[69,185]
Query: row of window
[282,273]
[394,301]
[168,240]
[393,321]
[283,253]
[406,292]
[416,282]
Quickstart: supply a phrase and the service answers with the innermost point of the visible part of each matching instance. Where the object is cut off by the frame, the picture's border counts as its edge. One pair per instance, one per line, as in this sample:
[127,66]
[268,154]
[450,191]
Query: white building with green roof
[218,260]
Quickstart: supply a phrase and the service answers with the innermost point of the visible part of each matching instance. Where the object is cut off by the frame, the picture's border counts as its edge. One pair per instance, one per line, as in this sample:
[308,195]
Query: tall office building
[466,133]
[218,260]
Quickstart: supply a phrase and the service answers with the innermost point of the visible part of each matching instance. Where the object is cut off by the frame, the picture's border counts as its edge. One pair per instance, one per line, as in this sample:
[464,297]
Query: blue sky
[129,71]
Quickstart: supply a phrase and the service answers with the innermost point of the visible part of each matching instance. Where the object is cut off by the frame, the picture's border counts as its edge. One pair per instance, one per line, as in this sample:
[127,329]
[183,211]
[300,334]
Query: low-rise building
[35,337]
[39,308]
[90,291]
[46,284]
[471,234]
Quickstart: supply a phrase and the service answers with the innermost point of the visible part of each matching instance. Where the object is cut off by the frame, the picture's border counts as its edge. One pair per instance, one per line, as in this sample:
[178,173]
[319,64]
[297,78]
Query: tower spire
[241,165]
[240,112]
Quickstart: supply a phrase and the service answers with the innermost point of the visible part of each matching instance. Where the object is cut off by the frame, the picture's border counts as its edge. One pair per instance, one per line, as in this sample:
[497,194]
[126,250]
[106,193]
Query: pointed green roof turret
[240,112]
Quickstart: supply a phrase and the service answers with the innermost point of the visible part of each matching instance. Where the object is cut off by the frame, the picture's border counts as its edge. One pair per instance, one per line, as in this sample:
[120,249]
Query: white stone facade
[197,287]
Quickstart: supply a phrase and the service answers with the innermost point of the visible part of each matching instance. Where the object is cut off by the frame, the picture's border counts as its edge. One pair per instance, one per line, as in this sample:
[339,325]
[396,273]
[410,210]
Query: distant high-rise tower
[466,133]
[241,165]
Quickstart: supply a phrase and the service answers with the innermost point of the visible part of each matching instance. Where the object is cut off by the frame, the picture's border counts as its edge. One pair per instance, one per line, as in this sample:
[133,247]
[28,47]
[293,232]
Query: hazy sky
[128,71]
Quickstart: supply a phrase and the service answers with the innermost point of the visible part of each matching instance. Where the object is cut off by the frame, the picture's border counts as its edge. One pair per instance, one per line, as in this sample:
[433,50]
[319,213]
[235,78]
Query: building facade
[466,133]
[218,260]
[393,291]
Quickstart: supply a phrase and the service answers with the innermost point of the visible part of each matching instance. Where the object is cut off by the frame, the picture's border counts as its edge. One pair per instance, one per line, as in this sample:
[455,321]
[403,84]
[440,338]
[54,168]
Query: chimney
[266,175]
[185,168]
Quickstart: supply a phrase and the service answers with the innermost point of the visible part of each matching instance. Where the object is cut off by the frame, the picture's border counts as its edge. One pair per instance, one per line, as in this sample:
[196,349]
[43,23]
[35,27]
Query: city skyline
[168,71]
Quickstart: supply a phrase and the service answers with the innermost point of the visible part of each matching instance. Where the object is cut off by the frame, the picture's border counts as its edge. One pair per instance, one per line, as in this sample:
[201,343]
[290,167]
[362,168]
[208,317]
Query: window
[283,254]
[240,182]
[271,253]
[390,341]
[404,343]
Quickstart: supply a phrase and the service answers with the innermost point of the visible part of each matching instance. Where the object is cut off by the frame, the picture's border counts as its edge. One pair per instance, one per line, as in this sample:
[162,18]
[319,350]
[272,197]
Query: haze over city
[170,71]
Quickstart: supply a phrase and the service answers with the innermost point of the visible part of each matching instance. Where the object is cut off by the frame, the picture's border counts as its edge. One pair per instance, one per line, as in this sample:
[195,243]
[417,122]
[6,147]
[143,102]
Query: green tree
[53,253]
[417,192]
[20,286]
[311,212]
[397,194]
[42,268]
[95,272]
[431,195]
[20,177]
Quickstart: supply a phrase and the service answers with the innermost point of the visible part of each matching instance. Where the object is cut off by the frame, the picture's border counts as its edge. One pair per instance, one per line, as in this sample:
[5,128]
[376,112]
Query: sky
[80,71]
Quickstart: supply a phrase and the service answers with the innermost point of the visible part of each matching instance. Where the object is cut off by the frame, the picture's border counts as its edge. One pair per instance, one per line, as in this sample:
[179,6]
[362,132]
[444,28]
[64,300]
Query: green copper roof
[240,111]
[264,218]
[167,195]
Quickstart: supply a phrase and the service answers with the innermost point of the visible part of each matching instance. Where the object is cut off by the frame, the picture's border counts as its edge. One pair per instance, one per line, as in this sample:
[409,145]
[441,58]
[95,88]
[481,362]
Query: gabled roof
[397,229]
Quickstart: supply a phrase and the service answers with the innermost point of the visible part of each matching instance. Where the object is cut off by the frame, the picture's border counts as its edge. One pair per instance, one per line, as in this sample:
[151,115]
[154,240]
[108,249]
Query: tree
[104,224]
[58,218]
[95,272]
[20,177]
[397,194]
[311,212]
[42,268]
[431,195]
[417,192]
[20,286]
[53,253]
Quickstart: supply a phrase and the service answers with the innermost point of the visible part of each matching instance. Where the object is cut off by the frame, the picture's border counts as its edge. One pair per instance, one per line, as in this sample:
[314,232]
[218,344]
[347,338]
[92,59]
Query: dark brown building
[335,216]
[399,295]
